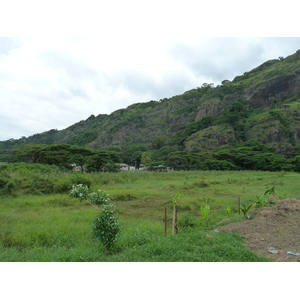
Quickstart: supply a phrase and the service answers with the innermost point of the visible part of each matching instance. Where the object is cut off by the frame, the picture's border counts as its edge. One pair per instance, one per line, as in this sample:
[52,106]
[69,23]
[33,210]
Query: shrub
[39,185]
[62,185]
[81,179]
[80,191]
[106,226]
[3,181]
[99,197]
[6,185]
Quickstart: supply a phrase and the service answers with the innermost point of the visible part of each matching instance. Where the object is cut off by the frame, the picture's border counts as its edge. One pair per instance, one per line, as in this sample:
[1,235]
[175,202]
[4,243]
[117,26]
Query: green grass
[55,227]
[141,241]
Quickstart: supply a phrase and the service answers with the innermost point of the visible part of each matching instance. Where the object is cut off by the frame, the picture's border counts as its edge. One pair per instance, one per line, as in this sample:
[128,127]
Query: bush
[80,191]
[3,181]
[40,185]
[62,185]
[100,197]
[106,226]
[81,179]
[6,185]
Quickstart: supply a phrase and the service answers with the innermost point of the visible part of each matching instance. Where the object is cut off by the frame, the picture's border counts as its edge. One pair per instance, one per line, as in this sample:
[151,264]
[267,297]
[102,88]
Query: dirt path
[273,231]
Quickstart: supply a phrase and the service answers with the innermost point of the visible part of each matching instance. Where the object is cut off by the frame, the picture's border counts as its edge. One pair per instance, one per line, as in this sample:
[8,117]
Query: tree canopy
[66,156]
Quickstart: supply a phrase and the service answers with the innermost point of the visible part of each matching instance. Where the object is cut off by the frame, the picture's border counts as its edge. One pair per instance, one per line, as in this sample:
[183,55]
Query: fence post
[165,221]
[174,222]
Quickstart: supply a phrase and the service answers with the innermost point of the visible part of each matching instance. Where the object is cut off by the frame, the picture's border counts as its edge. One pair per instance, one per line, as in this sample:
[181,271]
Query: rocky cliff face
[274,91]
[212,108]
[210,138]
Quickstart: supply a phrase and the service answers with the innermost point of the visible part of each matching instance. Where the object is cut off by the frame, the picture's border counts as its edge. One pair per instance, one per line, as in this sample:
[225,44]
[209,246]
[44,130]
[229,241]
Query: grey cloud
[72,67]
[225,58]
[11,128]
[132,80]
[143,84]
[218,58]
[68,92]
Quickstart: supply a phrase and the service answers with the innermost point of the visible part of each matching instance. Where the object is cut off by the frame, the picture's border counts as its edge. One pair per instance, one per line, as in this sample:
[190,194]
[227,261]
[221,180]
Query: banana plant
[245,208]
[270,191]
[205,213]
[228,211]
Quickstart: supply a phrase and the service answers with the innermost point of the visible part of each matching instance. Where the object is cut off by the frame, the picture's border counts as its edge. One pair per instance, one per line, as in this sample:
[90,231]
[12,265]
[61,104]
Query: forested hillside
[251,122]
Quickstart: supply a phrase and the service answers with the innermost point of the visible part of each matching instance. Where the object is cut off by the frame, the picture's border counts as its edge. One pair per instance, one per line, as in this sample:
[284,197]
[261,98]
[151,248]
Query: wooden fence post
[174,222]
[165,221]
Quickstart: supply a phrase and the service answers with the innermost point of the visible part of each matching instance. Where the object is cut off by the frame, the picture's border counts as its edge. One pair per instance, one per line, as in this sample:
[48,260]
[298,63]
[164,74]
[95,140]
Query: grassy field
[49,225]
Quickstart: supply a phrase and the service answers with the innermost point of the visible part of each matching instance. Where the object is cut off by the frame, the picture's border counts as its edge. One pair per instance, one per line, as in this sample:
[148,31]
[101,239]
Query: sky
[61,63]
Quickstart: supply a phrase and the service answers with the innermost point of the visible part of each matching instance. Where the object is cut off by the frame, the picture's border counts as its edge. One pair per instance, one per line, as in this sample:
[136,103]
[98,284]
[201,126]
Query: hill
[262,105]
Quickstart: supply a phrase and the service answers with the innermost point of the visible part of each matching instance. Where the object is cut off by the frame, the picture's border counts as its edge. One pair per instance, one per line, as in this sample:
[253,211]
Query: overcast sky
[129,52]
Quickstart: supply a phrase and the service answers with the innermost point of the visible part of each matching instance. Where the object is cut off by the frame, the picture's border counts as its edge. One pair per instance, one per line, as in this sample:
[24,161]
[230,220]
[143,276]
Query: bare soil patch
[272,231]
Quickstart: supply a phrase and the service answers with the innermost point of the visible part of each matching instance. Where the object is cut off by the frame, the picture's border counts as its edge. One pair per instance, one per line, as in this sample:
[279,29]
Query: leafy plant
[80,191]
[261,201]
[245,208]
[270,191]
[174,198]
[100,197]
[106,226]
[228,211]
[205,212]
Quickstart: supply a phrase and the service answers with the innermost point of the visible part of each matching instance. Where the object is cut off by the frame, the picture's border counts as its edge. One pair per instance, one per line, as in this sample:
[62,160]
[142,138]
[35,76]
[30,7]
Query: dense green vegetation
[67,156]
[251,155]
[41,222]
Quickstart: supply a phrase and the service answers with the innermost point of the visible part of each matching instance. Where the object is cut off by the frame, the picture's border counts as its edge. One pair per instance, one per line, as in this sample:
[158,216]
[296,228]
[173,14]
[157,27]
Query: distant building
[76,168]
[125,167]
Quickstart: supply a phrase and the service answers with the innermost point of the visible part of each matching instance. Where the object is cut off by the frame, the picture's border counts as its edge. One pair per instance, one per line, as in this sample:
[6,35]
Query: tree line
[250,155]
[67,156]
